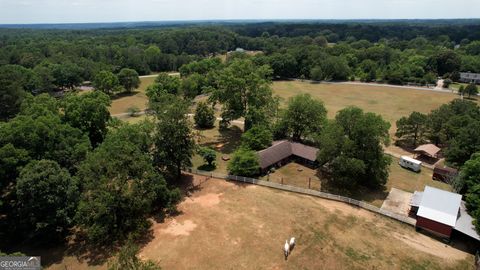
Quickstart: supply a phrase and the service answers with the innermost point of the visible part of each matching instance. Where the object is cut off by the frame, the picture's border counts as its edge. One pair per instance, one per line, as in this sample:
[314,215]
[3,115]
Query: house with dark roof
[468,77]
[283,152]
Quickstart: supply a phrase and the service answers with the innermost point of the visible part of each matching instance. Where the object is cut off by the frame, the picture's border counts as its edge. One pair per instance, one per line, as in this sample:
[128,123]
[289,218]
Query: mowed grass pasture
[390,102]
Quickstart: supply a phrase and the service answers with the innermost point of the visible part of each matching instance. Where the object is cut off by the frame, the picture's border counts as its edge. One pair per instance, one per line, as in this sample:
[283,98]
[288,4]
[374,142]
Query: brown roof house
[282,152]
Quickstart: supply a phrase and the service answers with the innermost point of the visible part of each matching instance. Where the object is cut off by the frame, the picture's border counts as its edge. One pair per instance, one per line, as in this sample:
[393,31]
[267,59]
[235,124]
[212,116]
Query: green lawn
[391,103]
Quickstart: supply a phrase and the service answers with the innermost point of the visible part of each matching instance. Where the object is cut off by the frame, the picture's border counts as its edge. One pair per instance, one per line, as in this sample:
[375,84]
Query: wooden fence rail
[310,192]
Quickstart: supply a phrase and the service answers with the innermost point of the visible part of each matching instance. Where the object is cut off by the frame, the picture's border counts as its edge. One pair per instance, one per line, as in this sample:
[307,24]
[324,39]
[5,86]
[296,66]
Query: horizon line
[239,20]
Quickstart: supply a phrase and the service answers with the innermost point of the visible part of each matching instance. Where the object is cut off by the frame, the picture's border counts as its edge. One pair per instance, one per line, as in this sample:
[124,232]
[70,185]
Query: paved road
[155,75]
[441,90]
[120,115]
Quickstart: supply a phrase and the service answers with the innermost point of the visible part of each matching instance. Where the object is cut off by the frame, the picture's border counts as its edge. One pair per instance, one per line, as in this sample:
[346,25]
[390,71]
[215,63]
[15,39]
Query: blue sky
[68,11]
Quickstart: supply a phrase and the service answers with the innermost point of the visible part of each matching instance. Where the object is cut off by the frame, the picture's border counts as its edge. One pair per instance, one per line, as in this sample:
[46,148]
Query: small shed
[444,174]
[438,211]
[430,150]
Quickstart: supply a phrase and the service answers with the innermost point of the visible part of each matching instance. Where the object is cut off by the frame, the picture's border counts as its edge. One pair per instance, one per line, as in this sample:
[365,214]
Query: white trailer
[410,163]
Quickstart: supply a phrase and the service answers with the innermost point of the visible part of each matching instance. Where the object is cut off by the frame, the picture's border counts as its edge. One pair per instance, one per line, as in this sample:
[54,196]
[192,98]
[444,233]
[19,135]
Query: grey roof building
[468,77]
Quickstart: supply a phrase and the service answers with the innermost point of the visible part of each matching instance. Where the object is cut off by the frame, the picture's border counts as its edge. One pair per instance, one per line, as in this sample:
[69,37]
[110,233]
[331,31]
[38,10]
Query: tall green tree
[47,198]
[13,89]
[106,82]
[46,137]
[412,129]
[67,75]
[204,115]
[244,162]
[352,148]
[120,189]
[470,178]
[303,117]
[164,84]
[129,79]
[257,138]
[471,89]
[244,91]
[174,143]
[89,113]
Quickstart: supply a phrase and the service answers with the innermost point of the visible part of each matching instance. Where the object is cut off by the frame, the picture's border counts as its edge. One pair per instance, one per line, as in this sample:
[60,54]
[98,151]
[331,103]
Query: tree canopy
[351,147]
[89,113]
[244,91]
[303,117]
[47,198]
[128,79]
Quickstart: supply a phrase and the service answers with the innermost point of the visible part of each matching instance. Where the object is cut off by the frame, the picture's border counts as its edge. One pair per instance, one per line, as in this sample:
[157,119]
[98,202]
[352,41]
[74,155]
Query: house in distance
[468,77]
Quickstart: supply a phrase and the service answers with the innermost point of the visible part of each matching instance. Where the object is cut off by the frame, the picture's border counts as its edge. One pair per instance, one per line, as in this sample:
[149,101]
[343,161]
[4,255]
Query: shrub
[204,116]
[208,154]
[257,138]
[244,163]
[133,111]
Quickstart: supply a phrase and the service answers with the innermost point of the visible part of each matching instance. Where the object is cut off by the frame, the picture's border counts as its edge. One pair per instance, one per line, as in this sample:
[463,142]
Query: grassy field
[233,226]
[298,175]
[392,103]
[223,142]
[137,98]
[455,86]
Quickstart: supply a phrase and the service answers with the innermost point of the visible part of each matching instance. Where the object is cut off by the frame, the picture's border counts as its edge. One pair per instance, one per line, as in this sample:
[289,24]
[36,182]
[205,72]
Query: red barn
[438,211]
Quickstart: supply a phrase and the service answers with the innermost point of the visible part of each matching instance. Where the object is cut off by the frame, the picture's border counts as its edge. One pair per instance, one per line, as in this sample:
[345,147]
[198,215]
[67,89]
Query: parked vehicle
[410,163]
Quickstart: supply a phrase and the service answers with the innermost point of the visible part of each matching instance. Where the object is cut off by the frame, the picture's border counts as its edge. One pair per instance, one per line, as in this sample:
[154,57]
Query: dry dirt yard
[227,225]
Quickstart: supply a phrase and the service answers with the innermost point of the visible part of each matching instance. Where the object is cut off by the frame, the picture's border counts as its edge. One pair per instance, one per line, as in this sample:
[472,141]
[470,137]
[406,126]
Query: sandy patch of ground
[176,228]
[431,246]
[207,200]
[398,201]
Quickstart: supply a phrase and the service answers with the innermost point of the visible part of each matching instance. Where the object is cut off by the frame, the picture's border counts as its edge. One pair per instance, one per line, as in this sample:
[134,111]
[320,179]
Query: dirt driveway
[398,201]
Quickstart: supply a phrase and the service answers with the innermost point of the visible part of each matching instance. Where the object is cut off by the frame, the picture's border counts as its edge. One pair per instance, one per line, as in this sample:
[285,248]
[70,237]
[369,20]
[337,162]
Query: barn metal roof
[440,205]
[464,223]
[416,198]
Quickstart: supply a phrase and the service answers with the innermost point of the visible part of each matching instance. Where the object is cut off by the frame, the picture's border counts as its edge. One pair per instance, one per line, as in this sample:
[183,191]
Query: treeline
[391,52]
[456,128]
[67,168]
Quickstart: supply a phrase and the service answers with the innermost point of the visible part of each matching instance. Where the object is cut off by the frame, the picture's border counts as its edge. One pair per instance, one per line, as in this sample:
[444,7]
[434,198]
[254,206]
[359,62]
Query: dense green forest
[400,52]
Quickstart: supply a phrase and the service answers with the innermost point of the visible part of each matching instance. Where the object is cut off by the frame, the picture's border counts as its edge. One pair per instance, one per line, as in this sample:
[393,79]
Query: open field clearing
[137,98]
[392,103]
[226,225]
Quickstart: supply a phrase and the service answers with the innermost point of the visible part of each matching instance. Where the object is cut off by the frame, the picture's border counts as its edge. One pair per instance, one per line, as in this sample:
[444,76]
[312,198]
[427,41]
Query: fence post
[309,180]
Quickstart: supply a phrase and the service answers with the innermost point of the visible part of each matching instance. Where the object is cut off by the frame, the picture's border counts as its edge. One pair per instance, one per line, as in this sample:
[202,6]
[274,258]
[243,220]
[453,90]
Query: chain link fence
[306,191]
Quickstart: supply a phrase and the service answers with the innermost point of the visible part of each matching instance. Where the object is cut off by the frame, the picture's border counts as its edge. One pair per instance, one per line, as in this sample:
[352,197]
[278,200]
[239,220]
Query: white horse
[286,249]
[292,243]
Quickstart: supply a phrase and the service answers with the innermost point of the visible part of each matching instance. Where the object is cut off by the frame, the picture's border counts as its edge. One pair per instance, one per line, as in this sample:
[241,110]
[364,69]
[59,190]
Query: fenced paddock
[311,192]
